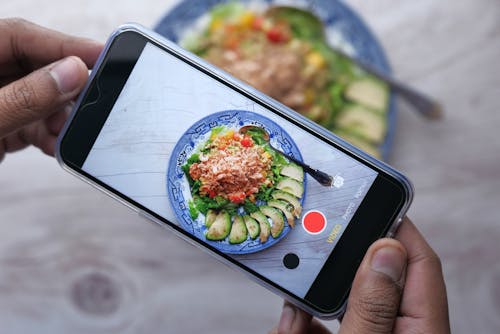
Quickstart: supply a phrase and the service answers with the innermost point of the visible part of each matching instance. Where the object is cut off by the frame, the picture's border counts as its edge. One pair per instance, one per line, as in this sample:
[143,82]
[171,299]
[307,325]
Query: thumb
[376,291]
[40,93]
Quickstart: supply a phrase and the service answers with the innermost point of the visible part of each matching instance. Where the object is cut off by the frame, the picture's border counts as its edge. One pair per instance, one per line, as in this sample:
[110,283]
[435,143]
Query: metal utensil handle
[323,178]
[425,105]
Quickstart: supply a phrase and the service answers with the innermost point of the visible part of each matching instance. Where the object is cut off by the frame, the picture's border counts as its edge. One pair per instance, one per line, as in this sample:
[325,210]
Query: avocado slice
[363,122]
[265,227]
[291,186]
[252,226]
[368,92]
[294,202]
[276,217]
[304,24]
[286,208]
[220,228]
[210,217]
[238,232]
[293,171]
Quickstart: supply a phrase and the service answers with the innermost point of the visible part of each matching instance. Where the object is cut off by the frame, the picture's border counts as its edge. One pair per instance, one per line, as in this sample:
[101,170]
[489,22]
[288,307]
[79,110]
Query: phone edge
[226,77]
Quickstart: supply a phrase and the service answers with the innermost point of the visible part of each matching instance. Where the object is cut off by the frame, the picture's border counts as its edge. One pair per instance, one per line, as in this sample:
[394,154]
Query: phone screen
[174,143]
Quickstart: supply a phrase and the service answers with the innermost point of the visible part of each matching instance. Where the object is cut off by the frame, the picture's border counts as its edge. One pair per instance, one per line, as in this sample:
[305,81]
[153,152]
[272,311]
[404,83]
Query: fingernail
[286,321]
[65,74]
[389,261]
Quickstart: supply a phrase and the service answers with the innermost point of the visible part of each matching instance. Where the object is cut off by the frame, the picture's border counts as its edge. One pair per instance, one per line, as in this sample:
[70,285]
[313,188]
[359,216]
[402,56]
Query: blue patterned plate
[344,29]
[178,189]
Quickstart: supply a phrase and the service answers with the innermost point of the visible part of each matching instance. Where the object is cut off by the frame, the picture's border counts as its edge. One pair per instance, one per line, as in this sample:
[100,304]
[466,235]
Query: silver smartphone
[231,170]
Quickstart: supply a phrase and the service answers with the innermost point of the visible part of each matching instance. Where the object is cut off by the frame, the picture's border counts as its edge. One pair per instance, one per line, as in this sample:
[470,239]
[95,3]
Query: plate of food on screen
[230,183]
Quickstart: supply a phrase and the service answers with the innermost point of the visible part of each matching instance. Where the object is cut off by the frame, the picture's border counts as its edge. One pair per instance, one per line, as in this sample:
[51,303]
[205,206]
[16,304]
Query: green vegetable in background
[339,83]
[304,24]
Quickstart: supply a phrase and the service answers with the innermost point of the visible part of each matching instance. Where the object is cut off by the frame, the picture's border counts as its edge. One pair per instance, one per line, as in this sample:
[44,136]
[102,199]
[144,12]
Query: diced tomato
[237,136]
[237,198]
[247,142]
[229,28]
[232,42]
[276,35]
[257,23]
[211,194]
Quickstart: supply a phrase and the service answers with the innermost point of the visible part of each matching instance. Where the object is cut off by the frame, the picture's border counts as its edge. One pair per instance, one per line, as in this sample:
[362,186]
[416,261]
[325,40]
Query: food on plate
[276,217]
[220,227]
[253,227]
[292,200]
[238,232]
[283,52]
[231,166]
[285,208]
[291,186]
[242,186]
[265,228]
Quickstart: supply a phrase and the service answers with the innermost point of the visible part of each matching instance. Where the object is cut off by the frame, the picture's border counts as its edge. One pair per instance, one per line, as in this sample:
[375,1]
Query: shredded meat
[275,70]
[231,171]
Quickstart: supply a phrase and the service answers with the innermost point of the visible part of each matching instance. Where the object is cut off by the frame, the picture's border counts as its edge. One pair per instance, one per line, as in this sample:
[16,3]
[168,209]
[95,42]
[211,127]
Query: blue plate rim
[173,173]
[165,27]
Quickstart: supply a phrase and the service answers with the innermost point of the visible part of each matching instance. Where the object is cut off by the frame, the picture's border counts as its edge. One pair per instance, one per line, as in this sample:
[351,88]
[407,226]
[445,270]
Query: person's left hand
[41,72]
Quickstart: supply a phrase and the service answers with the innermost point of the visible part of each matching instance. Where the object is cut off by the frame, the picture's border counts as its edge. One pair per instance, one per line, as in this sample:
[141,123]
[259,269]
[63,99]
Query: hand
[41,72]
[398,288]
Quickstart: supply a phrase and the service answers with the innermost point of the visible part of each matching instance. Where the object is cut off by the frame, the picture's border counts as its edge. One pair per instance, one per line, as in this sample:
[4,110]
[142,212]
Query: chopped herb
[249,206]
[193,212]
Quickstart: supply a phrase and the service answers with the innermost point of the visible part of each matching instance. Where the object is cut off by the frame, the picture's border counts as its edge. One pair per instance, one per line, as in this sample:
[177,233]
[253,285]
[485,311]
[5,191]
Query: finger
[24,137]
[38,135]
[424,297]
[48,145]
[5,80]
[25,46]
[274,330]
[293,320]
[3,149]
[14,142]
[315,327]
[55,122]
[376,291]
[40,93]
[318,328]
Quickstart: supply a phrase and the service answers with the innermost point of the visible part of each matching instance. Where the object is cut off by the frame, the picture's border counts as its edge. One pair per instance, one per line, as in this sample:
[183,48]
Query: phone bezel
[385,172]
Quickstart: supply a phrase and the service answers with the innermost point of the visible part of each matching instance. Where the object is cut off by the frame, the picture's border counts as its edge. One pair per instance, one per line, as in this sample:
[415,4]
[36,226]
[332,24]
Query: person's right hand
[398,288]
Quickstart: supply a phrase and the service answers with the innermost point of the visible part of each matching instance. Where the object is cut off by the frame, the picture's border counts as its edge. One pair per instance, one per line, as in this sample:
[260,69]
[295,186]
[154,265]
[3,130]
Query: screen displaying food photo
[232,182]
[227,170]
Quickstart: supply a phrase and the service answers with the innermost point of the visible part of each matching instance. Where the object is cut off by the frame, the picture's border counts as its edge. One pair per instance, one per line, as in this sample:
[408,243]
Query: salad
[242,187]
[282,52]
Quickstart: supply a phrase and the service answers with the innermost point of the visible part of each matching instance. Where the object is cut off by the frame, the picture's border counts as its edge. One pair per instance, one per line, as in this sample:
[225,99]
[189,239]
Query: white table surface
[73,260]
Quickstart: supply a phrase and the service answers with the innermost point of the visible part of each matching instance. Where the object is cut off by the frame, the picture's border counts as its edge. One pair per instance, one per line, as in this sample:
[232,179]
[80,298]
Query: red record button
[314,222]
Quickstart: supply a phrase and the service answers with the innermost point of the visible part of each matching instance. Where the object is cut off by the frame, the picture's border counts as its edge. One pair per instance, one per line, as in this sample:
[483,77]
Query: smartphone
[193,149]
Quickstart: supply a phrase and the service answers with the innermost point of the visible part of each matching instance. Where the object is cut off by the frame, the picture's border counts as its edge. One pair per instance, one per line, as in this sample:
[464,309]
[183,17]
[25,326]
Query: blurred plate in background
[343,30]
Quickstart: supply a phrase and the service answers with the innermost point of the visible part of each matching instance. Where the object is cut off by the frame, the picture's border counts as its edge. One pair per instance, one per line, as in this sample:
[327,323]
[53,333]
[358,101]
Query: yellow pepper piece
[309,96]
[215,25]
[315,59]
[246,19]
